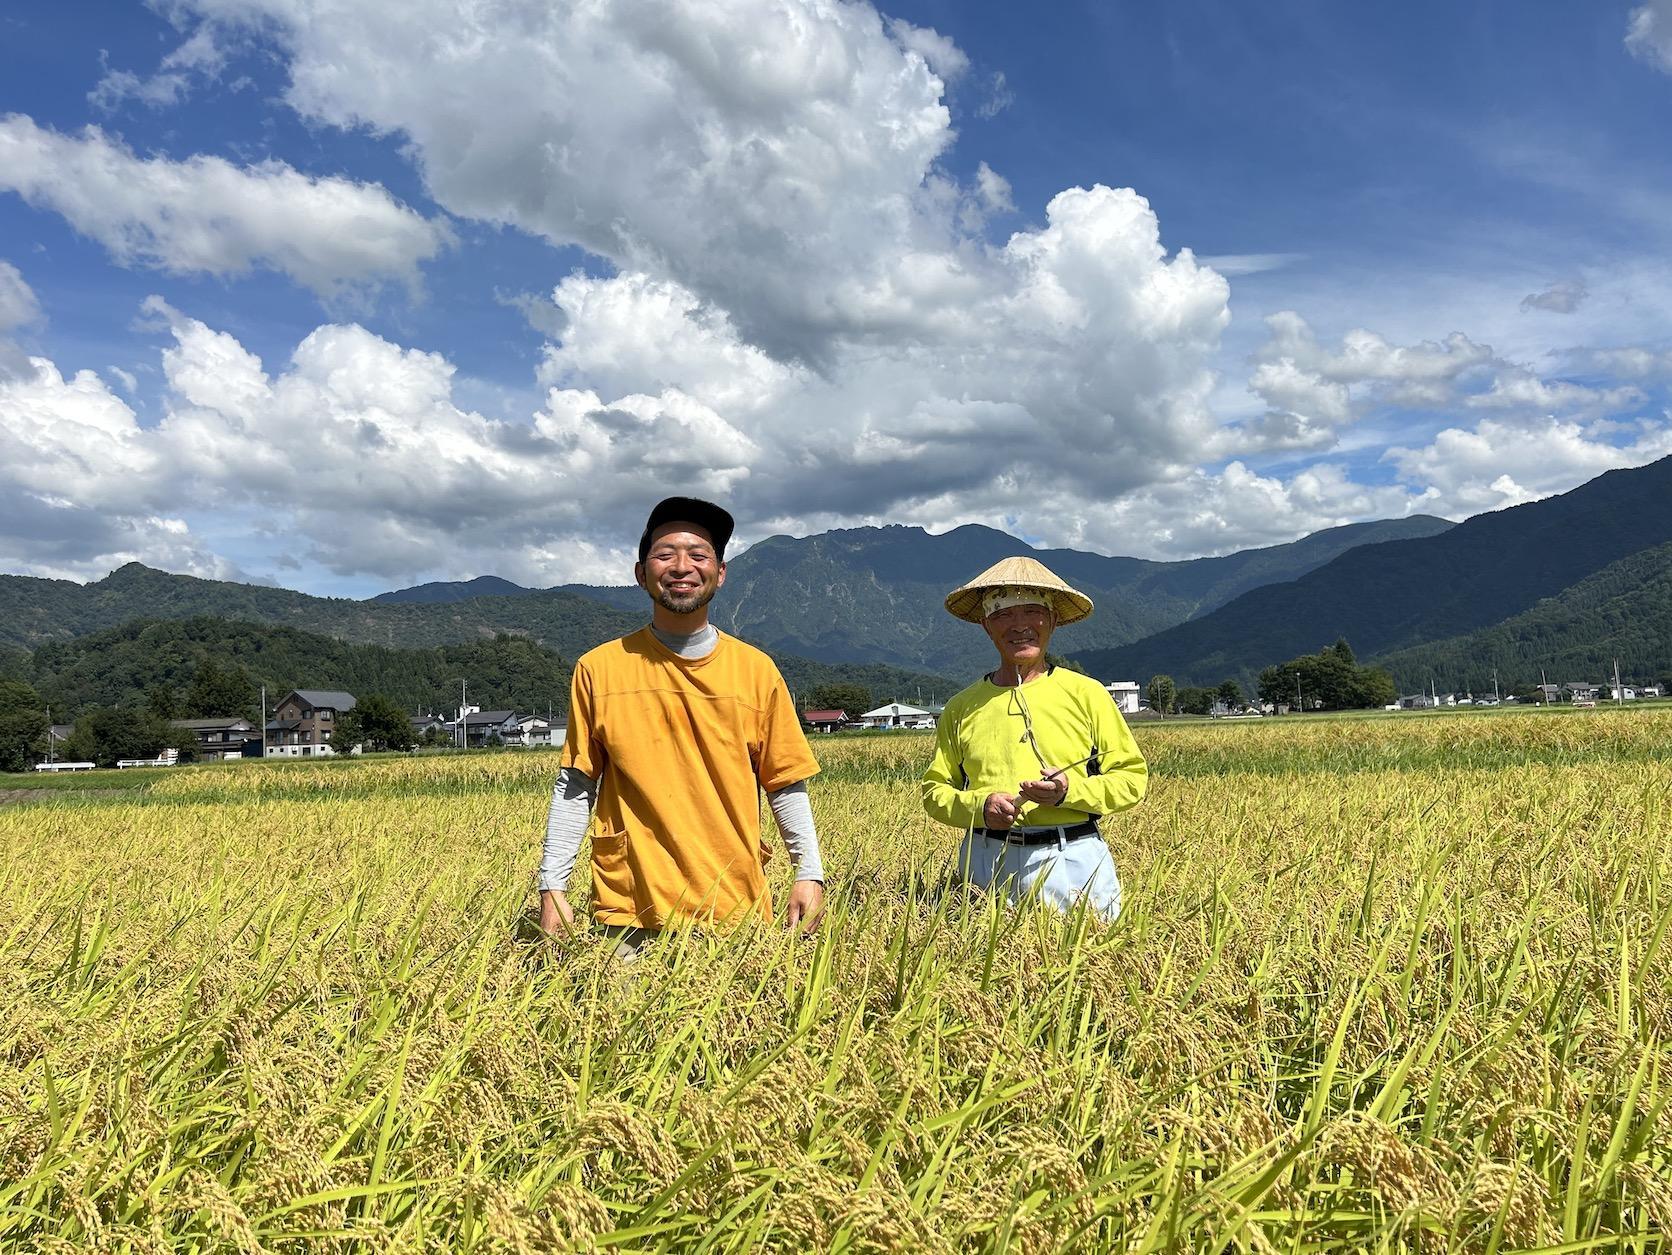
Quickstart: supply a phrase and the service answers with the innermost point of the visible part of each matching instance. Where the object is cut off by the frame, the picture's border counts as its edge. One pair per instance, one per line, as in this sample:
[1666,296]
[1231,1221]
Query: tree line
[1330,679]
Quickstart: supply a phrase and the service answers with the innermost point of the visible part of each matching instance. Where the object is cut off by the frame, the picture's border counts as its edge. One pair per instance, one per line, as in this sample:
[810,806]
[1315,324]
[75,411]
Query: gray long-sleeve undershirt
[575,793]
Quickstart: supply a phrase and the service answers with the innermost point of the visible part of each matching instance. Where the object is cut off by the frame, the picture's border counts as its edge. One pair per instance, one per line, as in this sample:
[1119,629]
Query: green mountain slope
[33,611]
[1623,612]
[874,593]
[121,665]
[459,590]
[1393,596]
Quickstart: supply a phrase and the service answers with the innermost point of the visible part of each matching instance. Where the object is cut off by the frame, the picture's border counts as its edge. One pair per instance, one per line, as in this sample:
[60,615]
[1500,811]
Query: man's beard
[686,604]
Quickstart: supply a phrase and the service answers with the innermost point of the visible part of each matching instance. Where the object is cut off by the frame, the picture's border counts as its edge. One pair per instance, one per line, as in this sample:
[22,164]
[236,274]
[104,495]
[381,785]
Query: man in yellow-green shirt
[1031,756]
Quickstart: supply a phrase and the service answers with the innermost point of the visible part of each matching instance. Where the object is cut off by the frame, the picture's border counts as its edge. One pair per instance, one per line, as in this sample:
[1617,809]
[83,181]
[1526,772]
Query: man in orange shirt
[674,731]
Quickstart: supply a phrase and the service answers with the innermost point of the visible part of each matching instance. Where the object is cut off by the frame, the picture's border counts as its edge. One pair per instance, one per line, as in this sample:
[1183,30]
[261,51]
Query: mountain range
[874,594]
[1392,600]
[1622,614]
[1569,581]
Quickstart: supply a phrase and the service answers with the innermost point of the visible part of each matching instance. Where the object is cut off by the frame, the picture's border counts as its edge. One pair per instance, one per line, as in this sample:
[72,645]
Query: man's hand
[806,905]
[1049,790]
[555,912]
[1000,810]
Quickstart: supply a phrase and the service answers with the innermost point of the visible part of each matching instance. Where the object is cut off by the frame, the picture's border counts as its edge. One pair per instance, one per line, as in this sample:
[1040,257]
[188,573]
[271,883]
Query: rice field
[1383,985]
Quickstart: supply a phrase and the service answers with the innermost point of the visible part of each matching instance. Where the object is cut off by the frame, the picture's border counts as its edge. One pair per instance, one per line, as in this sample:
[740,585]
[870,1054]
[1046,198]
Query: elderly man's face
[1021,633]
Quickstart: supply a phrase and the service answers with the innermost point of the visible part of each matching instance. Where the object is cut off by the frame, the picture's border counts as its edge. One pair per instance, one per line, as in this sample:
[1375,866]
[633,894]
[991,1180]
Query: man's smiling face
[1021,633]
[681,571]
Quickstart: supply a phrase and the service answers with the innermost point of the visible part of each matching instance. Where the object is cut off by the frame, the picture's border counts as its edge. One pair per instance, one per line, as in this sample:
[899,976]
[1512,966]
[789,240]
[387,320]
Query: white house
[536,730]
[1125,693]
[898,715]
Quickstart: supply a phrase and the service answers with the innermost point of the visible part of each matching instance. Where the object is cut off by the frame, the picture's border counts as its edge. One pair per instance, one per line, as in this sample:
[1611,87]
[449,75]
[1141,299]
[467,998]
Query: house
[302,722]
[1650,690]
[898,715]
[1417,701]
[1625,693]
[1549,694]
[825,720]
[1125,693]
[529,730]
[487,727]
[1579,691]
[425,724]
[221,738]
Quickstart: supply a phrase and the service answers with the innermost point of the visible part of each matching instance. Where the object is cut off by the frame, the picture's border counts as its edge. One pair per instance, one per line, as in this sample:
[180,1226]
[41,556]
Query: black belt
[1040,836]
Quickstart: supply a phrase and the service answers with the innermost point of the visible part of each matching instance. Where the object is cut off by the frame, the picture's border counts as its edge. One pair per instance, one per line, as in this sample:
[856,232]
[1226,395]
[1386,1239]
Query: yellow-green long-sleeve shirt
[982,747]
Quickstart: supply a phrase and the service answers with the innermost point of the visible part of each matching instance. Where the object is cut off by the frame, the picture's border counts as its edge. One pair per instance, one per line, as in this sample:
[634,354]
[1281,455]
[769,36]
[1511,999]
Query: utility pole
[49,757]
[464,736]
[263,721]
[1543,686]
[1299,703]
[1497,698]
[1619,693]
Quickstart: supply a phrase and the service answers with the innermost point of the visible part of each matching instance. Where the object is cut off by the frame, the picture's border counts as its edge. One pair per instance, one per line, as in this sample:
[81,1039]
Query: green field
[1380,984]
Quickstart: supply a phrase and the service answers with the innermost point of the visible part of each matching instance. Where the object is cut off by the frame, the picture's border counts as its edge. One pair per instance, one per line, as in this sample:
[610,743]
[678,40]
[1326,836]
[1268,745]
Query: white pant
[1060,873]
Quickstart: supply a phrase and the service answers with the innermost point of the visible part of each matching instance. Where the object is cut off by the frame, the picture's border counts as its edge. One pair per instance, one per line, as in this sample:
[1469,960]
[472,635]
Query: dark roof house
[303,720]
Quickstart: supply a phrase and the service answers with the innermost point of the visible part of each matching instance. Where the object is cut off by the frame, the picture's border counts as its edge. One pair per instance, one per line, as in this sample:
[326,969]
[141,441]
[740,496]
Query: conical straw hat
[1070,605]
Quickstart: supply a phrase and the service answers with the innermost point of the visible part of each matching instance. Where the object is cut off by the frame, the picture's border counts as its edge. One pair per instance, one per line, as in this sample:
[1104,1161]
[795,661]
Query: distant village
[303,722]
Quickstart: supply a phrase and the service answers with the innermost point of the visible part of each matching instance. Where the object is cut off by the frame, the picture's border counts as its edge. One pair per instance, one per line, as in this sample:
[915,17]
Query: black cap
[705,514]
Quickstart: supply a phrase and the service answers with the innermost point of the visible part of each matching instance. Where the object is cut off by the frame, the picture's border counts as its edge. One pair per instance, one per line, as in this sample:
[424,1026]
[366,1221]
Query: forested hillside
[131,663]
[1623,612]
[127,663]
[1405,593]
[33,611]
[875,593]
[457,590]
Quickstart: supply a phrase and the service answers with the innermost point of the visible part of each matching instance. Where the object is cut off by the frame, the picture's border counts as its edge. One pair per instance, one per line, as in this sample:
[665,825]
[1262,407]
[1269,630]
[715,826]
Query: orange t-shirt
[680,748]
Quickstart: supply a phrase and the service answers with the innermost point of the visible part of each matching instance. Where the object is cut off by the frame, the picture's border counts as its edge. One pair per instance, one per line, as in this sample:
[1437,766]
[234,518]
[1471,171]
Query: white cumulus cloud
[200,57]
[205,215]
[941,54]
[1649,33]
[1501,463]
[1562,297]
[803,312]
[18,309]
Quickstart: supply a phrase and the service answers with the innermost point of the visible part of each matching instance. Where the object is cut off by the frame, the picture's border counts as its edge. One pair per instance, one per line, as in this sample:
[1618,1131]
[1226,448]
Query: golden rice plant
[1379,985]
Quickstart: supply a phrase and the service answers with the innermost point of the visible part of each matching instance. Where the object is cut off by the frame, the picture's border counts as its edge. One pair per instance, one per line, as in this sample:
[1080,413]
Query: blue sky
[344,296]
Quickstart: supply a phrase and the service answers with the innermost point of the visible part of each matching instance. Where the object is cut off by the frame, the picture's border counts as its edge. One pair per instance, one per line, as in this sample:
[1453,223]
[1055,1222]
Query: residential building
[422,724]
[528,730]
[302,723]
[898,715]
[1579,691]
[1125,693]
[221,738]
[825,720]
[487,727]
